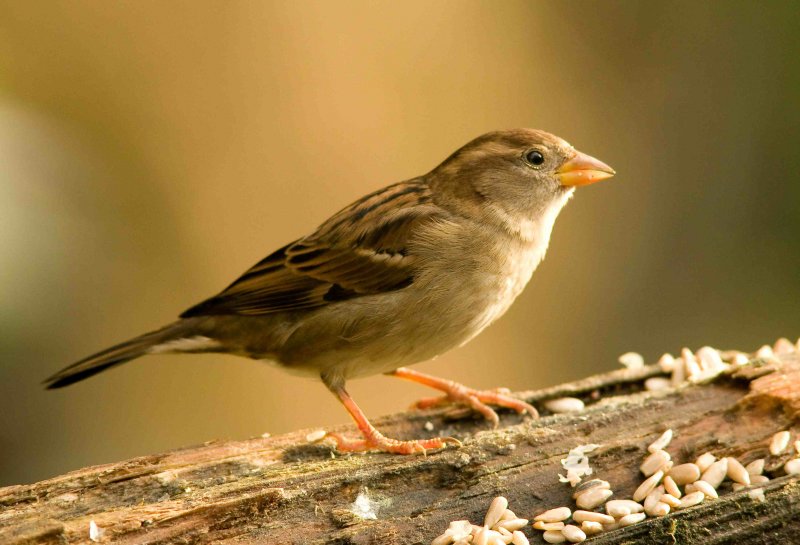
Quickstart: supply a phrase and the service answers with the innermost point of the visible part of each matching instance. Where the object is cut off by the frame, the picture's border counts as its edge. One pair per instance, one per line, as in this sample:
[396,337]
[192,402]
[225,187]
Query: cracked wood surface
[283,490]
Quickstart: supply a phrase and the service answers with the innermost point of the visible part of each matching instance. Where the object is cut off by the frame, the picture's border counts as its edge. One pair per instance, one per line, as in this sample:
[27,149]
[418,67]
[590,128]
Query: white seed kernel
[591,516]
[632,360]
[792,467]
[620,508]
[784,346]
[496,510]
[633,518]
[518,538]
[654,384]
[670,500]
[779,443]
[315,436]
[660,510]
[757,494]
[765,352]
[716,472]
[685,474]
[552,536]
[756,467]
[554,515]
[737,472]
[654,462]
[648,486]
[707,490]
[672,487]
[511,525]
[740,358]
[591,527]
[704,461]
[692,499]
[652,499]
[593,498]
[678,372]
[667,363]
[738,486]
[759,479]
[573,534]
[545,526]
[660,443]
[564,405]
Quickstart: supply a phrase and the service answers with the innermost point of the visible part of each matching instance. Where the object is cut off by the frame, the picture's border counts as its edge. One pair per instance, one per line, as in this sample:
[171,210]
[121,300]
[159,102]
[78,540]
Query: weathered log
[283,490]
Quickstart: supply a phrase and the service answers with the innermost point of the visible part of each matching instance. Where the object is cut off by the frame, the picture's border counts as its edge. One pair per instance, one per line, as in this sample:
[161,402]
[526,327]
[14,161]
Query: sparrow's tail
[172,338]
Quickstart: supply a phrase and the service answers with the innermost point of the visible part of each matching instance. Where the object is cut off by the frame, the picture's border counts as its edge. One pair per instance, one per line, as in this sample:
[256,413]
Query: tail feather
[110,357]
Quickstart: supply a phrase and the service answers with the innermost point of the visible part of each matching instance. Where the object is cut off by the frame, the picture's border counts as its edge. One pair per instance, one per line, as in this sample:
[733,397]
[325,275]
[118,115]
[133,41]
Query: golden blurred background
[152,151]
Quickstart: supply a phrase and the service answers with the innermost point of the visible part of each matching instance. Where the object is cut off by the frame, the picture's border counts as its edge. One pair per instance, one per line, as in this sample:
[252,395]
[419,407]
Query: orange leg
[459,393]
[375,440]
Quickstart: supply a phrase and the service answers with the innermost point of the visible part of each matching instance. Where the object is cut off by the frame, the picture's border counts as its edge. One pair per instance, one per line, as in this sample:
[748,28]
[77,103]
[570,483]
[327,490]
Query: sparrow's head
[515,176]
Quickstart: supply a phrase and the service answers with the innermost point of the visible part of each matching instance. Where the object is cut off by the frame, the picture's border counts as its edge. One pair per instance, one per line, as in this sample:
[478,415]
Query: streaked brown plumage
[399,276]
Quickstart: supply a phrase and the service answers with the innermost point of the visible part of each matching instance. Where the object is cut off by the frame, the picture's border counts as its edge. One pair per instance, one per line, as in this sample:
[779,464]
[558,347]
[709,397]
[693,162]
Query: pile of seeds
[667,487]
[500,527]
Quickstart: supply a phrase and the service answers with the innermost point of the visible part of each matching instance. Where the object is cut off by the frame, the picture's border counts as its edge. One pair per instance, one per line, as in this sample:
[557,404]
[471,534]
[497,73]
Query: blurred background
[151,151]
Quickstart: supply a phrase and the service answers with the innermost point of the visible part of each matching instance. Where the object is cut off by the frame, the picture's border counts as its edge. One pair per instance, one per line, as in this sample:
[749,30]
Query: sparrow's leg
[459,393]
[375,440]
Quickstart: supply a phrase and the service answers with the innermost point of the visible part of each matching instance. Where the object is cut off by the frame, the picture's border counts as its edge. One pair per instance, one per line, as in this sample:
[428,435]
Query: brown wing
[360,250]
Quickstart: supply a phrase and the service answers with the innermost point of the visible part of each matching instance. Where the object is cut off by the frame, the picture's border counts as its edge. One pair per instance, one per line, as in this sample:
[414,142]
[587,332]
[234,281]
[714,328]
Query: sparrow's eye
[534,157]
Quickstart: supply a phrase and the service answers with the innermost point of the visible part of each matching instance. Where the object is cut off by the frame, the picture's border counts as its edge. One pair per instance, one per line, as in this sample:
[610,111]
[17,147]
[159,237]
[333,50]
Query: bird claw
[479,401]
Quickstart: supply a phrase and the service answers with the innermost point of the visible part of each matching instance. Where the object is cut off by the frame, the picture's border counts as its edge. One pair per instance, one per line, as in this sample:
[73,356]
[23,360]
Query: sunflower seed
[660,443]
[757,494]
[758,479]
[633,518]
[632,360]
[620,508]
[591,516]
[545,526]
[670,500]
[716,472]
[583,487]
[554,515]
[564,405]
[672,487]
[667,363]
[737,472]
[707,490]
[654,462]
[511,525]
[591,527]
[704,461]
[765,352]
[518,538]
[652,499]
[552,536]
[444,539]
[783,346]
[648,485]
[660,510]
[792,467]
[573,534]
[684,473]
[679,372]
[740,359]
[592,498]
[779,443]
[692,499]
[315,436]
[496,510]
[756,467]
[654,384]
[738,486]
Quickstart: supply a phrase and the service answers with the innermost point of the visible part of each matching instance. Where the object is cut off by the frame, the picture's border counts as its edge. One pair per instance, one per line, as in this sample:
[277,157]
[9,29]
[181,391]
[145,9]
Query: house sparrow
[399,276]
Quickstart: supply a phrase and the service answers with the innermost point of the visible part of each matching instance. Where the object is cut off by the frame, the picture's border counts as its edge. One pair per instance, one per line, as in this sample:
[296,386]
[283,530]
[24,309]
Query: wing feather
[361,250]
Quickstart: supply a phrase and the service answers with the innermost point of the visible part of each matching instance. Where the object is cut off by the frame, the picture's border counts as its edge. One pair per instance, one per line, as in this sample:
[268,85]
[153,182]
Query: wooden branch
[283,490]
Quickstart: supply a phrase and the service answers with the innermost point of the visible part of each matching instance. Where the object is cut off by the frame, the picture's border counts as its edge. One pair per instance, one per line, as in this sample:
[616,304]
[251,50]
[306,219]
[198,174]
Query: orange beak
[583,170]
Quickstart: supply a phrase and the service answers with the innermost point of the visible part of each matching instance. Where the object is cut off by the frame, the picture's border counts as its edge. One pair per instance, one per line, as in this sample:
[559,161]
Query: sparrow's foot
[478,400]
[377,441]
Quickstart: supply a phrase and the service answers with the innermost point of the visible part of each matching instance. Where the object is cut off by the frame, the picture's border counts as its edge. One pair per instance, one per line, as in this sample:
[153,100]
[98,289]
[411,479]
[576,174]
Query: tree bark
[283,490]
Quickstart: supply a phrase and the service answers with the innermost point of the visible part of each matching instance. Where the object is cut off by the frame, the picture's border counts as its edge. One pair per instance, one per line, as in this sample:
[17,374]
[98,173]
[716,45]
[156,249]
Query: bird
[398,277]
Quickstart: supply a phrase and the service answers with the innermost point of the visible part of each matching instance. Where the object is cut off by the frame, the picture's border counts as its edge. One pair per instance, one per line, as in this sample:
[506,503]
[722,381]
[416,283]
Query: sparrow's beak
[583,170]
